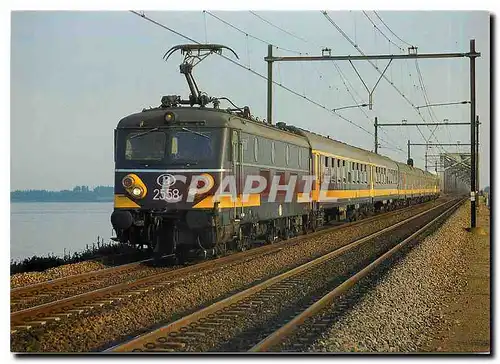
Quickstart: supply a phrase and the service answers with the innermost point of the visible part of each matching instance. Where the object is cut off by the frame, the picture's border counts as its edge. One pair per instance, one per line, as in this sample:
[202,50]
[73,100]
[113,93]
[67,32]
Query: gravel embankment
[400,313]
[76,288]
[25,279]
[114,323]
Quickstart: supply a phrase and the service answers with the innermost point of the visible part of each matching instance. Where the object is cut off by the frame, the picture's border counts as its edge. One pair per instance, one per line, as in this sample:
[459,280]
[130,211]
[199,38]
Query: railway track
[40,315]
[44,292]
[241,322]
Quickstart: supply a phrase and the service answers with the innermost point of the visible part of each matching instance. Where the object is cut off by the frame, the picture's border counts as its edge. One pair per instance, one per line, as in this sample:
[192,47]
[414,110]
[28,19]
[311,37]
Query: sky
[74,75]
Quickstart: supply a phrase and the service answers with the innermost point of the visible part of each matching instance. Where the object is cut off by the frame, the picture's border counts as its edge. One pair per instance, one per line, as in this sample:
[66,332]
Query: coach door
[237,157]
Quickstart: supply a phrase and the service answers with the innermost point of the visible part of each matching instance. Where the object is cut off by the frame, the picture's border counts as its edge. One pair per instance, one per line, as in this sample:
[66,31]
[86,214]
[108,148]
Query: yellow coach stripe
[227,202]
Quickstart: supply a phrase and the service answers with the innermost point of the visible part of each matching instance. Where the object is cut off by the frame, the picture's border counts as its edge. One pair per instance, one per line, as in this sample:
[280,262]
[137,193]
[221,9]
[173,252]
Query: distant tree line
[78,194]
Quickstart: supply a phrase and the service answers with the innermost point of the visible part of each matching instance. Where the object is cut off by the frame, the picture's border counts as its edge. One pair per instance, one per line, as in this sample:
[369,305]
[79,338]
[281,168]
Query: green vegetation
[109,253]
[78,194]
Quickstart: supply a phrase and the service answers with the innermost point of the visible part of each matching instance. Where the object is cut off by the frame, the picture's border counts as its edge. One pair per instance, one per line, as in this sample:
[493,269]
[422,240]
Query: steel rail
[56,283]
[240,301]
[289,328]
[63,308]
[23,291]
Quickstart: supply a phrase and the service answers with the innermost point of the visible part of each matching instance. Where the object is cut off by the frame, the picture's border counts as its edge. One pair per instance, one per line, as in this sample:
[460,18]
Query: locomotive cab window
[145,147]
[190,146]
[169,146]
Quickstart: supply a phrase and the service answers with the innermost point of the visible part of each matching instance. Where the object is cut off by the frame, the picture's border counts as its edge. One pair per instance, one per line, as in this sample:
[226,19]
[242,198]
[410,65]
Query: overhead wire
[205,20]
[248,34]
[390,43]
[277,27]
[381,32]
[430,111]
[344,79]
[383,22]
[432,115]
[255,73]
[378,70]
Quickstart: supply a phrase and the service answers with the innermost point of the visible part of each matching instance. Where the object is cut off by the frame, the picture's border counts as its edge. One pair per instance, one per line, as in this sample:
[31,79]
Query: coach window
[339,171]
[299,154]
[287,154]
[343,171]
[326,161]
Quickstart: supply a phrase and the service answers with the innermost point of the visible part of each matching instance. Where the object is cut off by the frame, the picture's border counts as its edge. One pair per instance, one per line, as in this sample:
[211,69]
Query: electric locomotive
[184,177]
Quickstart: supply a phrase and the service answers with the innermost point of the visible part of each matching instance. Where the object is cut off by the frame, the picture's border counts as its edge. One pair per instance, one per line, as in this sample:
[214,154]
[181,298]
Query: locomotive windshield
[172,146]
[146,146]
[190,146]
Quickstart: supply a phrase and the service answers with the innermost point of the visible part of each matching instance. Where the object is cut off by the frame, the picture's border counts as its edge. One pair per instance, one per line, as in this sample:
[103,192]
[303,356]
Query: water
[40,228]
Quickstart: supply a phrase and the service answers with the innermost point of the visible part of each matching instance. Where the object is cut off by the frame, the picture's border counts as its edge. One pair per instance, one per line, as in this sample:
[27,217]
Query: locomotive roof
[413,170]
[280,131]
[326,144]
[212,118]
[155,117]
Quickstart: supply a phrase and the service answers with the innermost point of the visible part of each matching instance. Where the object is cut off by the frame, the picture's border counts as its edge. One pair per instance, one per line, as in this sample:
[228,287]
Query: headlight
[169,117]
[127,181]
[136,191]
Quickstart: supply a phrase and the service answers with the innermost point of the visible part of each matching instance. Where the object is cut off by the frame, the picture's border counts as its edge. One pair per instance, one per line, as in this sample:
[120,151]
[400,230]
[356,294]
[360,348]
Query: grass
[106,252]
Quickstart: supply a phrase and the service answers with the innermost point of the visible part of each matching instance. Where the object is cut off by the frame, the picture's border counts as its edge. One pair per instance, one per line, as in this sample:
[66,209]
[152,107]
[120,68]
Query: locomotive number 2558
[169,194]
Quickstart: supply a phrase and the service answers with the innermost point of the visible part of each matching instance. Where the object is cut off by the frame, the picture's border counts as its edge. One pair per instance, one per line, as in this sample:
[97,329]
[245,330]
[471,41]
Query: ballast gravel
[25,279]
[76,288]
[115,323]
[403,310]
